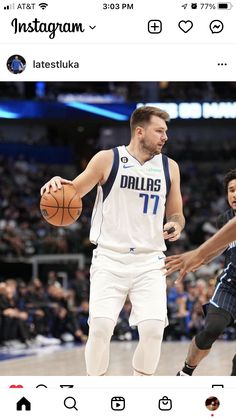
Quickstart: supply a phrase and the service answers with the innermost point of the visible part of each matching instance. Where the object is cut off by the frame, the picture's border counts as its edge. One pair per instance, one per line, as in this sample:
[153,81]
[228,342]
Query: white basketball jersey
[129,209]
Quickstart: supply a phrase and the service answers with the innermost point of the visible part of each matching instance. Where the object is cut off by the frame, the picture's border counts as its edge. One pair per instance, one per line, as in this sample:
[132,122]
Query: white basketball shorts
[115,276]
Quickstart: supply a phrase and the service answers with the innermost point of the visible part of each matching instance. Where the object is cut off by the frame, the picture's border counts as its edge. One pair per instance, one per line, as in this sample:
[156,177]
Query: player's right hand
[55,183]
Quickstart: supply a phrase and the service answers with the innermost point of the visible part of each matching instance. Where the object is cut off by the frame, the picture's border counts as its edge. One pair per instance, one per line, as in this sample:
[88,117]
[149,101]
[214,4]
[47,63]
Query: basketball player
[16,65]
[222,309]
[137,187]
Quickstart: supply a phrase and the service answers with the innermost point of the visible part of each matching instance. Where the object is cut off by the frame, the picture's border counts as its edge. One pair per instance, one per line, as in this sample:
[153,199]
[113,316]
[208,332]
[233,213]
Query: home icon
[23,404]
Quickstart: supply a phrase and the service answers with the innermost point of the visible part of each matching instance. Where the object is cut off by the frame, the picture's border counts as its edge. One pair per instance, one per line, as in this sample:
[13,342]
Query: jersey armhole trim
[111,178]
[166,172]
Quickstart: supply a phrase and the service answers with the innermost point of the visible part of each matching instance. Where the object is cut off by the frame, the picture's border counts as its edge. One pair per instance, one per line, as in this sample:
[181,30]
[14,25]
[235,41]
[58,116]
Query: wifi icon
[43,5]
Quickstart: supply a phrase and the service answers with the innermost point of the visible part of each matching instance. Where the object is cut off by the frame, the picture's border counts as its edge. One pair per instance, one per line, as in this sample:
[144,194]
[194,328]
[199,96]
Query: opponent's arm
[96,172]
[219,241]
[174,205]
[215,254]
[190,261]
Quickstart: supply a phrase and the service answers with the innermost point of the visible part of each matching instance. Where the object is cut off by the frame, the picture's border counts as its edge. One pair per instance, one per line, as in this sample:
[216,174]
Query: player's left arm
[174,205]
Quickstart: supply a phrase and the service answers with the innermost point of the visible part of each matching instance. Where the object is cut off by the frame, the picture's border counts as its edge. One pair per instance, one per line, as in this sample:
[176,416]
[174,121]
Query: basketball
[62,207]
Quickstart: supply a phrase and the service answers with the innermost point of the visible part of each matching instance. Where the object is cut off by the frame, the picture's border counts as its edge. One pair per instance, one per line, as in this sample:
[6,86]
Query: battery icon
[226,6]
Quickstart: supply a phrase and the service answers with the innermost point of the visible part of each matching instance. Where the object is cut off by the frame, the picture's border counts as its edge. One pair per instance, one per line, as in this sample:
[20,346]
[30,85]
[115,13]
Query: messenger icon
[165,403]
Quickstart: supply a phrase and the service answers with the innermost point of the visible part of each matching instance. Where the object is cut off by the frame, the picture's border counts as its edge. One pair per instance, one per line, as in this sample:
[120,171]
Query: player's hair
[231,175]
[142,115]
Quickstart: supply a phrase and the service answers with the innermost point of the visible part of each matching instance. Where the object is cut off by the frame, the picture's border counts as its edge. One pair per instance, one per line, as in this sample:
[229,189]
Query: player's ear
[139,130]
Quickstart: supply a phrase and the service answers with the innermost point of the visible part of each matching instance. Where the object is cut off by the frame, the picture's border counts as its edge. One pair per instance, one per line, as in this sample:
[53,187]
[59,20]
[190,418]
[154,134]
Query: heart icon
[16,386]
[185,25]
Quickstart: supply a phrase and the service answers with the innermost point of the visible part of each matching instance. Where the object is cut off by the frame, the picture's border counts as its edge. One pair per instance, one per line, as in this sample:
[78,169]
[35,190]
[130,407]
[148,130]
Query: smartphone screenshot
[117,208]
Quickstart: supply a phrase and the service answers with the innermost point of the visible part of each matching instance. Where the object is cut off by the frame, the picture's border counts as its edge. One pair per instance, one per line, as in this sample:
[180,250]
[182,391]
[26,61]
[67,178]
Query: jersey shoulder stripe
[111,178]
[165,163]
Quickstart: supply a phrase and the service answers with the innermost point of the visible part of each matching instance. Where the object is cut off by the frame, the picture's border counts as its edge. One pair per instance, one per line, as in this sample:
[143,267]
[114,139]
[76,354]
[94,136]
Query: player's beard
[147,149]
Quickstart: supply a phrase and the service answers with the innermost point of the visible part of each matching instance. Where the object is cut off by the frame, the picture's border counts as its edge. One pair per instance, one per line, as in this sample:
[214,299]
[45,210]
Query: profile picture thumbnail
[16,64]
[212,403]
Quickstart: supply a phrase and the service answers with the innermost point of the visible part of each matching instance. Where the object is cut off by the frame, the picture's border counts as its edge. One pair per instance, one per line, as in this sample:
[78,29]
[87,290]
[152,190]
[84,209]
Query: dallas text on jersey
[140,183]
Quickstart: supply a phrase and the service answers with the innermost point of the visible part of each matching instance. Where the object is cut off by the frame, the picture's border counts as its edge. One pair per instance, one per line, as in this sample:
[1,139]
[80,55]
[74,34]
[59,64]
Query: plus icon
[154,26]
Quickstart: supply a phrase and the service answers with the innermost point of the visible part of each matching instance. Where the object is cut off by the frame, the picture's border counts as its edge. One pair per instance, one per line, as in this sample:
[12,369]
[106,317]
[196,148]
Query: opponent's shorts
[115,276]
[225,293]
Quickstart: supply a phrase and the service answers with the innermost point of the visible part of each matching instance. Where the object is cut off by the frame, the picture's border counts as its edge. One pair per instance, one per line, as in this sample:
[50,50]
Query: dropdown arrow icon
[92,27]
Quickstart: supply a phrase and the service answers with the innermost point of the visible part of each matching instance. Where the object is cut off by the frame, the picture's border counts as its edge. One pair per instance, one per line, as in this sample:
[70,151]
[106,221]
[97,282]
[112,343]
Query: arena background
[55,128]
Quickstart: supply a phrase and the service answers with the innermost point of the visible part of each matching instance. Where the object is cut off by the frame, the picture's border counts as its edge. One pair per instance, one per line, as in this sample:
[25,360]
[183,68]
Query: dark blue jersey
[16,65]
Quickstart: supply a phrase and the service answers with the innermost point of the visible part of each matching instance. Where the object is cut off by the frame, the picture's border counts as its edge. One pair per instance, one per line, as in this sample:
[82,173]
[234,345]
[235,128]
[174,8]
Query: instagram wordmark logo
[51,28]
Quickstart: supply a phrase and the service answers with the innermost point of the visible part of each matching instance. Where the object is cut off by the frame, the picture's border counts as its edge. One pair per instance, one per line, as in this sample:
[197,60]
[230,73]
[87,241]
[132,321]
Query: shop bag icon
[165,403]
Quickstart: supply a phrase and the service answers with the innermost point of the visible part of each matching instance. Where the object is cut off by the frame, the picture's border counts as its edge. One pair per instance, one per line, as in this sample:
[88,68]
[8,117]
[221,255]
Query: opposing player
[222,308]
[137,187]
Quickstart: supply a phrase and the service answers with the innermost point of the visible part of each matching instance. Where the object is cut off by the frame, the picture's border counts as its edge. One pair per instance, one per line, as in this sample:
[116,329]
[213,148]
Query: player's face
[232,194]
[154,136]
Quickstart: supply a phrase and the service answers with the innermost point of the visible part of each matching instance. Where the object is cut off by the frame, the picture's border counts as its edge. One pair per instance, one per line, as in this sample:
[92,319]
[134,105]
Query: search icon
[70,403]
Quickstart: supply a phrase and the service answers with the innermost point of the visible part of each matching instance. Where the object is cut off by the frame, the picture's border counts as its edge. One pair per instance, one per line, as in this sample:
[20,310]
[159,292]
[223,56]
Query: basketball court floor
[69,361]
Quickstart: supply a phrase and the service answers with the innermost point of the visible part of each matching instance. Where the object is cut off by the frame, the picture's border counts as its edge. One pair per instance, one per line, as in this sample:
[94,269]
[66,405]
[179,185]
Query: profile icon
[212,403]
[16,64]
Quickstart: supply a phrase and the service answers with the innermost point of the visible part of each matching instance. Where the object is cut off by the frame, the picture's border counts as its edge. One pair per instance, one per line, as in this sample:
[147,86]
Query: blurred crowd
[121,91]
[43,313]
[23,232]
